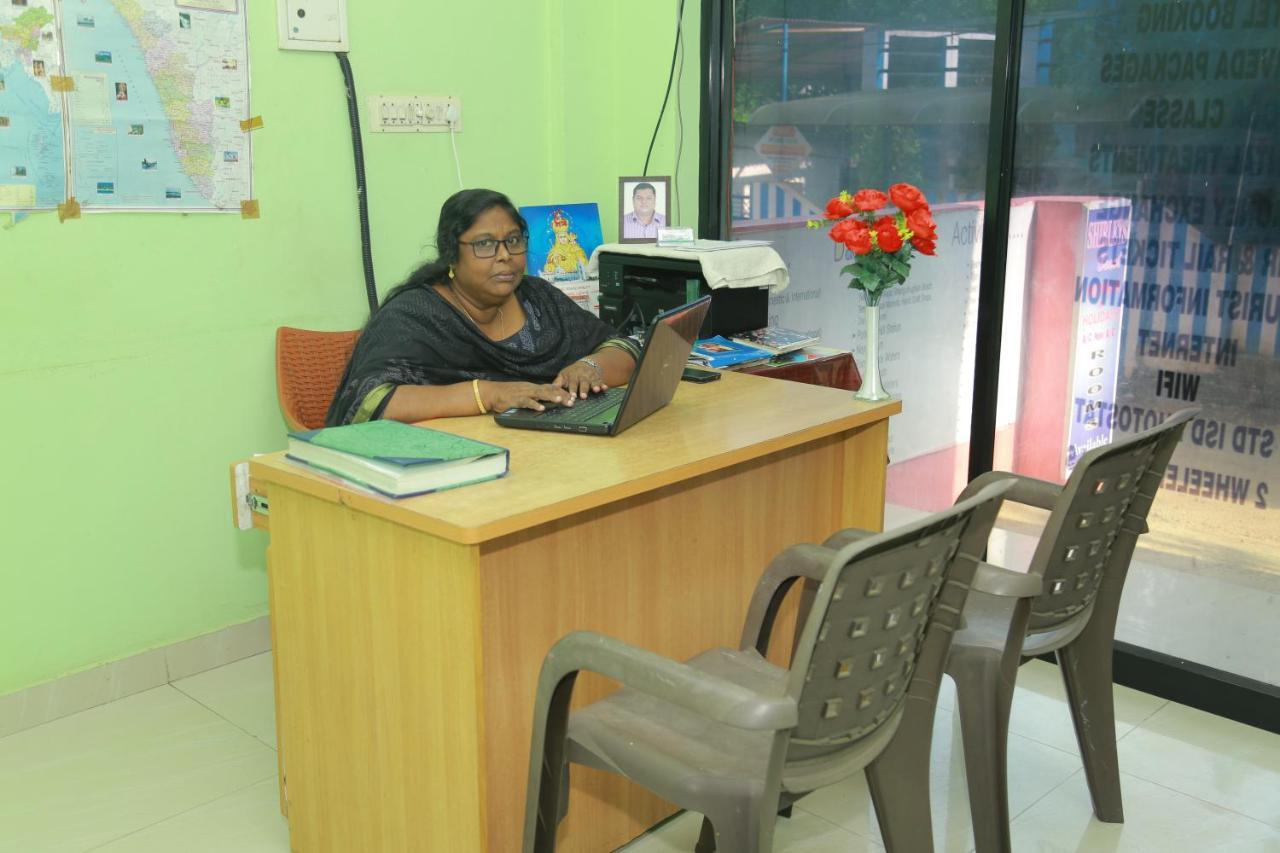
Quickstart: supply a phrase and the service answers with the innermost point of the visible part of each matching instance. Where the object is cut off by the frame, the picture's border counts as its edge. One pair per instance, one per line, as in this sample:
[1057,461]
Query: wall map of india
[124,105]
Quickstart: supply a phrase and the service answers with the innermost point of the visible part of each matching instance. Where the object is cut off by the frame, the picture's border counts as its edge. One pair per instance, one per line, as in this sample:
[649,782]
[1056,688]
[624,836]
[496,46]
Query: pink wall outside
[1033,444]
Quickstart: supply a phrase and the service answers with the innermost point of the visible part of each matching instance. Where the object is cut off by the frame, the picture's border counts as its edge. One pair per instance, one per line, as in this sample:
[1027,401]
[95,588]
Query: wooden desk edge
[274,469]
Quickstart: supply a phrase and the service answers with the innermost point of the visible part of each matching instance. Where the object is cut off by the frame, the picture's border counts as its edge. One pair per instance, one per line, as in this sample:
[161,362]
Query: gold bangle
[475,389]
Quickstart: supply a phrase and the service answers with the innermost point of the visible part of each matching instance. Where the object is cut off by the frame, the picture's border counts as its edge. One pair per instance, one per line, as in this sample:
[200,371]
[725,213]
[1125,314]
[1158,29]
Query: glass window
[831,96]
[1148,158]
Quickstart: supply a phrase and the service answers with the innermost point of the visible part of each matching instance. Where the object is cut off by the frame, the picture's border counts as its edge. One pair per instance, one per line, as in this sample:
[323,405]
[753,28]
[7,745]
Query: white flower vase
[872,390]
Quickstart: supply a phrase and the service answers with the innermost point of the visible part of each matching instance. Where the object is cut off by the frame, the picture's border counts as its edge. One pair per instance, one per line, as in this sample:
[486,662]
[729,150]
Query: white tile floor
[191,767]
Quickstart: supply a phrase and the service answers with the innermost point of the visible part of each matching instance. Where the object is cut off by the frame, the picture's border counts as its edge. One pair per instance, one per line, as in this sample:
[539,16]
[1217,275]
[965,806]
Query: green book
[396,459]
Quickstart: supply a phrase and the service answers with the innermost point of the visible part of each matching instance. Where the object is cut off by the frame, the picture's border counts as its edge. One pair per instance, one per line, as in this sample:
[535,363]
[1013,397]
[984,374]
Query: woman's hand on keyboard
[500,396]
[581,378]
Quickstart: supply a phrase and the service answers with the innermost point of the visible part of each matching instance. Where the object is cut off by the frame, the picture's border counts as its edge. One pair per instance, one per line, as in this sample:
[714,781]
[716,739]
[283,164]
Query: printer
[633,288]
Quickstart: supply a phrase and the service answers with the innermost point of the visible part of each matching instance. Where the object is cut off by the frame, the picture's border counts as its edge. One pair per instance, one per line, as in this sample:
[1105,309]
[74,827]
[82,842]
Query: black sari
[419,338]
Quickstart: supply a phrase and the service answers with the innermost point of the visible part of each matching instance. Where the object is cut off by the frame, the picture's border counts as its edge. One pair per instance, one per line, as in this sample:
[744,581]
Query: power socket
[414,114]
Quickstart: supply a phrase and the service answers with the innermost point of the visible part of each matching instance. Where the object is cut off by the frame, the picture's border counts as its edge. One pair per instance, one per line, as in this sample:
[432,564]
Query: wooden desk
[408,635]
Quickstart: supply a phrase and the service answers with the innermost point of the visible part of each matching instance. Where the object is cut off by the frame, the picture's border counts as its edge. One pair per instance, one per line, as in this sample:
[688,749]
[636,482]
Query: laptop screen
[666,350]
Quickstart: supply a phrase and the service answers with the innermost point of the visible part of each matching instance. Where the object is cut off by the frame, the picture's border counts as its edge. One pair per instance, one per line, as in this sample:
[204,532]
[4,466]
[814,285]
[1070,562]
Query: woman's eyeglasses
[517,244]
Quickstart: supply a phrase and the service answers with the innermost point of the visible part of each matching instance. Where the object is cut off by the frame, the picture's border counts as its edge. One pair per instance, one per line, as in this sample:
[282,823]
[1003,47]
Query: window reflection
[1144,251]
[868,97]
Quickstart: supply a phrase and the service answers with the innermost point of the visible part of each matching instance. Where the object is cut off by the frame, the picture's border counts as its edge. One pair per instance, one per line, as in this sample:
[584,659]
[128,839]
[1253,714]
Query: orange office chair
[308,367]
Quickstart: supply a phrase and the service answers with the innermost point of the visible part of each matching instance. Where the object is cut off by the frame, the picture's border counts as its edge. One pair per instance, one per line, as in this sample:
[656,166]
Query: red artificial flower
[857,238]
[923,246]
[837,209]
[887,236]
[921,223]
[908,198]
[841,229]
[869,199]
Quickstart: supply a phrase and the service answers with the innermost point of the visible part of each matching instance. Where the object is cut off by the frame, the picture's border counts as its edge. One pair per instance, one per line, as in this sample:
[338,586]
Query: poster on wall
[1095,341]
[561,239]
[1200,326]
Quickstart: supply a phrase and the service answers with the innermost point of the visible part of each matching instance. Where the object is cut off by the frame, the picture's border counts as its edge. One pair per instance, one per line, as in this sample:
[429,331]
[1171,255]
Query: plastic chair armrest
[995,580]
[678,683]
[848,536]
[1026,490]
[798,561]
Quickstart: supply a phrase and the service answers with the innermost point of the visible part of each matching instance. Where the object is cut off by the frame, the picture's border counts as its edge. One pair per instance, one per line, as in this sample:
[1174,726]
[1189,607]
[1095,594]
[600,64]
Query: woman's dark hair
[458,213]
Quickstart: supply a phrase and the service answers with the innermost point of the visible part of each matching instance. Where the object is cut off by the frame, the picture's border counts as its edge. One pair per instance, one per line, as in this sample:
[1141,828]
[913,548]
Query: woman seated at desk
[470,333]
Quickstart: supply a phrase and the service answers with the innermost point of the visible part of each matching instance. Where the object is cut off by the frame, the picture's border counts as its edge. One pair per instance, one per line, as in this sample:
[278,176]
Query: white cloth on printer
[742,266]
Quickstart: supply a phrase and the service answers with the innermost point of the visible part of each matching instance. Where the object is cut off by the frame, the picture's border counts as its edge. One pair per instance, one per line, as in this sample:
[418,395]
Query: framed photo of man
[642,208]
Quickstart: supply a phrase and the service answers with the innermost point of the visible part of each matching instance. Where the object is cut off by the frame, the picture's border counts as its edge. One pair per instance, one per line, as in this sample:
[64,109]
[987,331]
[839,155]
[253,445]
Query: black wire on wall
[675,50]
[362,194]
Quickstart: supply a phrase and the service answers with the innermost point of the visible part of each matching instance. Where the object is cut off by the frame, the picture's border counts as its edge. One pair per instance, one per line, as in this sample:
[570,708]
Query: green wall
[136,351]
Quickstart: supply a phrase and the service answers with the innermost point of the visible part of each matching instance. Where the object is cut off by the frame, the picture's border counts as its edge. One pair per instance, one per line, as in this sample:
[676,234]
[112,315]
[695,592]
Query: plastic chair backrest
[870,624]
[309,365]
[1109,492]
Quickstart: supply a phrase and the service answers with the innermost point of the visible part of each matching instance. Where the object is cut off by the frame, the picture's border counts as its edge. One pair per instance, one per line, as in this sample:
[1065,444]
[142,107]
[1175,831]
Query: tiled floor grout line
[156,823]
[233,723]
[1209,803]
[1132,727]
[1012,817]
[1164,704]
[1039,742]
[876,845]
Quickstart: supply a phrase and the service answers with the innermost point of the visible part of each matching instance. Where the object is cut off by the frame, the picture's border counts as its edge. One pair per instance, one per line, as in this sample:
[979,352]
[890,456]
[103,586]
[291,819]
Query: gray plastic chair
[1082,558]
[735,738]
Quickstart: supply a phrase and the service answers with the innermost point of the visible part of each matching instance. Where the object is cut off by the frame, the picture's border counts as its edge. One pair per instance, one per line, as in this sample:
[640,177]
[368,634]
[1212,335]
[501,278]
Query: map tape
[69,209]
[59,83]
[249,209]
[251,124]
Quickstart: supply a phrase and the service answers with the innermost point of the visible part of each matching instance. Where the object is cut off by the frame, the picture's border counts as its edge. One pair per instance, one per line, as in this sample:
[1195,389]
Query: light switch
[313,24]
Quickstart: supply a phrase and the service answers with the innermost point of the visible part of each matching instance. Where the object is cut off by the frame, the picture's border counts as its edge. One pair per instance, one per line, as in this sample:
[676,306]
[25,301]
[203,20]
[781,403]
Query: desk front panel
[671,571]
[377,654]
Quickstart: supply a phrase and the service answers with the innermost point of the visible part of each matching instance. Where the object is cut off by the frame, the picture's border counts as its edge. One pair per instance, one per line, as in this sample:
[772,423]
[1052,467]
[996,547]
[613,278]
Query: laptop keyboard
[584,411]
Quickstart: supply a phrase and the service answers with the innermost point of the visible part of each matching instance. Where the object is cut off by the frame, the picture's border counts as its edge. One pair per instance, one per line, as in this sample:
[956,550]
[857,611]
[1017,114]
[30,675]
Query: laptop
[662,359]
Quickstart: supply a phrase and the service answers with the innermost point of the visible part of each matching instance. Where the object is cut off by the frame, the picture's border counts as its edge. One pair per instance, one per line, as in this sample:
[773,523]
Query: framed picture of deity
[561,239]
[642,208]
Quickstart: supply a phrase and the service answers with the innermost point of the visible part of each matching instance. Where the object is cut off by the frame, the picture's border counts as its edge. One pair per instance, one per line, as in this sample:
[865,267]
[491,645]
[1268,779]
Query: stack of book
[775,339]
[398,460]
[811,353]
[722,352]
[773,344]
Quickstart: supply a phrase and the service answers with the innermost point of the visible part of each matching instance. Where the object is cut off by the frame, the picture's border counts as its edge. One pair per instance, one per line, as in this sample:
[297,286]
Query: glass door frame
[1217,691]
